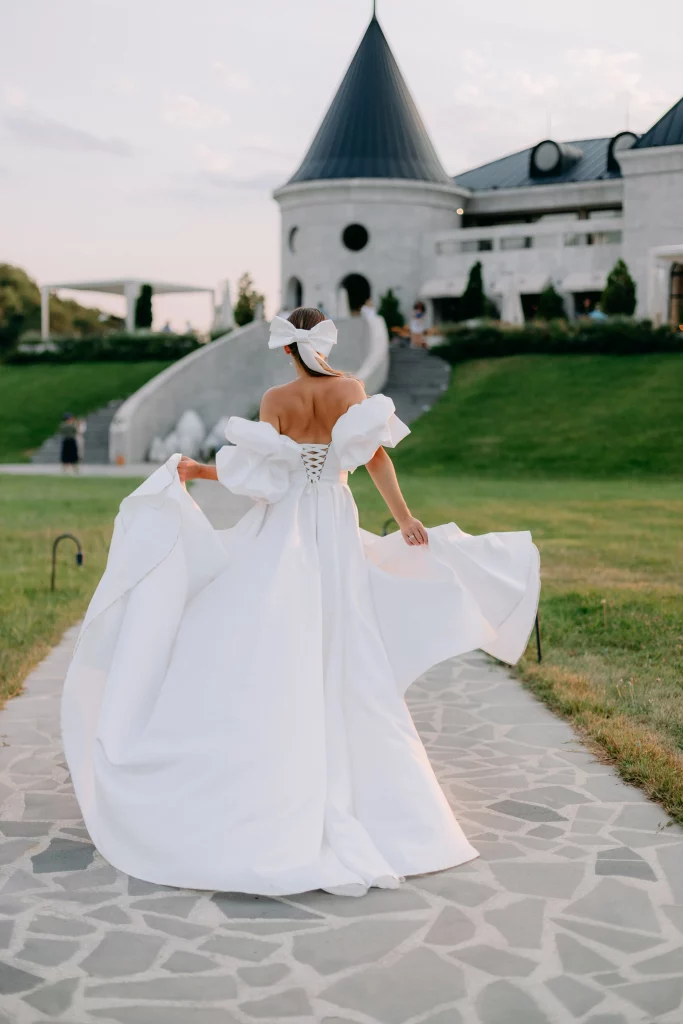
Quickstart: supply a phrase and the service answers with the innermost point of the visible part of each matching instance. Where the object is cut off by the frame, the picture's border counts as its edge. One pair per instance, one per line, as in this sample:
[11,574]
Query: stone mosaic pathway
[573,913]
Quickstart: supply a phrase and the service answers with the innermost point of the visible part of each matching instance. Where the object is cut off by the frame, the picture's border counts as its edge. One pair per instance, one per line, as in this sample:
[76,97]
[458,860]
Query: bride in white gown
[233,717]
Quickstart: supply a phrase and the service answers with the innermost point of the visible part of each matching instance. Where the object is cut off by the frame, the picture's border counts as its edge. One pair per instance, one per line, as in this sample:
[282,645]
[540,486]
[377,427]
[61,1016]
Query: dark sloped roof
[513,171]
[372,128]
[668,131]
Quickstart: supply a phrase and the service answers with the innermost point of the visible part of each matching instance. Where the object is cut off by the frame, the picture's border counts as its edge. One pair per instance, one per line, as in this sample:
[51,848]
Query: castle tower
[368,189]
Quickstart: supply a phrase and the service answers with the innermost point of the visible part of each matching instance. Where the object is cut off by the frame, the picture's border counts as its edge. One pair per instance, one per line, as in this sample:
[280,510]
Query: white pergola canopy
[129,287]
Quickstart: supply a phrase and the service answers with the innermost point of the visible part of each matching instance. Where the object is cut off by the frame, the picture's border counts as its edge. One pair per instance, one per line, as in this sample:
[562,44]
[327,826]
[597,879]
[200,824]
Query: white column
[131,290]
[45,313]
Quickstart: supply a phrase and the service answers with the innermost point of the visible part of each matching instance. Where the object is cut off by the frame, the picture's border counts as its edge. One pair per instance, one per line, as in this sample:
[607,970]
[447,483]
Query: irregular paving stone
[616,903]
[237,905]
[95,878]
[48,924]
[577,997]
[675,915]
[456,889]
[520,923]
[181,989]
[450,928]
[450,1016]
[112,915]
[64,855]
[579,959]
[138,887]
[171,926]
[13,979]
[376,901]
[120,953]
[670,862]
[625,941]
[254,950]
[655,997]
[184,962]
[268,974]
[292,1003]
[363,942]
[47,952]
[412,985]
[13,849]
[6,929]
[504,1003]
[534,879]
[611,790]
[53,998]
[554,796]
[165,1015]
[175,906]
[528,812]
[51,807]
[12,907]
[650,817]
[80,896]
[546,832]
[21,881]
[499,851]
[495,961]
[606,1018]
[626,869]
[665,963]
[12,829]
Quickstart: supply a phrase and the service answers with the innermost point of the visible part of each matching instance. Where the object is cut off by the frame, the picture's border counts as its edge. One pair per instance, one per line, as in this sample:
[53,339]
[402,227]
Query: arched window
[291,239]
[676,295]
[295,293]
[357,289]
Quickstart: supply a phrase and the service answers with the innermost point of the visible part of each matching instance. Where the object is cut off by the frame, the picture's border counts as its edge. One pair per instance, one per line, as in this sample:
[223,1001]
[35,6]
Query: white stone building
[371,208]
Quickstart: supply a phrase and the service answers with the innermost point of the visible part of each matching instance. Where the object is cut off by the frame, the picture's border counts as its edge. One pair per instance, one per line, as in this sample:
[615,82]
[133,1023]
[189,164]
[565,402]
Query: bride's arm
[381,469]
[188,469]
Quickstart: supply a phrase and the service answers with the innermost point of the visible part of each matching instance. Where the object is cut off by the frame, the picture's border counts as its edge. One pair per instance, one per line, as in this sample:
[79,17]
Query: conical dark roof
[372,128]
[668,131]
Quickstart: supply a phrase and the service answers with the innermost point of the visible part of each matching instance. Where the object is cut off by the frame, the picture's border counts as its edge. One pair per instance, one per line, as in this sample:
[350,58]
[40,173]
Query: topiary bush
[143,308]
[391,311]
[551,305]
[619,296]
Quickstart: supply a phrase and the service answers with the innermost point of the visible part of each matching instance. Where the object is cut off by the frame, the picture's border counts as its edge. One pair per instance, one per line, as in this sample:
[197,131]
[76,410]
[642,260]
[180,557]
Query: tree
[619,296]
[473,302]
[247,301]
[551,305]
[19,305]
[391,311]
[143,308]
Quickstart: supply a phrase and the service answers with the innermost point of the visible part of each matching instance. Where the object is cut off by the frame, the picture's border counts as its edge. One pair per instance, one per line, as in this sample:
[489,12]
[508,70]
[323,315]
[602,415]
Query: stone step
[96,438]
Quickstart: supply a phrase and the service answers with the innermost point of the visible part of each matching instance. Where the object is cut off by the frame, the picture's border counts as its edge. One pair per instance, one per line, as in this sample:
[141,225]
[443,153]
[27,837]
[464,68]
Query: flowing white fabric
[233,717]
[317,341]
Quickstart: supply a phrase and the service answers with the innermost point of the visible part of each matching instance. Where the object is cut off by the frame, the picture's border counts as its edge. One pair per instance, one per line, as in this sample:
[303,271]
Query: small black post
[539,652]
[385,528]
[79,554]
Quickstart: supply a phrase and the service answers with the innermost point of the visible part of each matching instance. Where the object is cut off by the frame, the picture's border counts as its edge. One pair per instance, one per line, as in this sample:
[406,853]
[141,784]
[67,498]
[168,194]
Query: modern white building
[371,208]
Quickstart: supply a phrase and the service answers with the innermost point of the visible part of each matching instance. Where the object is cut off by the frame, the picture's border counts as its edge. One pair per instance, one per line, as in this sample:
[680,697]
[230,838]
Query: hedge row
[617,336]
[108,348]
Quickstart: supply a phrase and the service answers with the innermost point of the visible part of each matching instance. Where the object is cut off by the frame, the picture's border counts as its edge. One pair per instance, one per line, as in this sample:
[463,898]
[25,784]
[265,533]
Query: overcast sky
[143,138]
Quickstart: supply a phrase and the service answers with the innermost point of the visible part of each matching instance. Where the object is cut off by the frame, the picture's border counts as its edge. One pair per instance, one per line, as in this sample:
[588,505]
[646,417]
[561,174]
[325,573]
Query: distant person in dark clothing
[70,431]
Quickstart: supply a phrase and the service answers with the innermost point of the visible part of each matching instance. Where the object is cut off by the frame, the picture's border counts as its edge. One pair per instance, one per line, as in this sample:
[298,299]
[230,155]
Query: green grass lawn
[555,416]
[33,398]
[611,606]
[33,511]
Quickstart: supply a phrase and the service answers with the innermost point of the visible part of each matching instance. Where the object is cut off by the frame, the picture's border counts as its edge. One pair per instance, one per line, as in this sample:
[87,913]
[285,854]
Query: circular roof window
[546,157]
[355,237]
[293,232]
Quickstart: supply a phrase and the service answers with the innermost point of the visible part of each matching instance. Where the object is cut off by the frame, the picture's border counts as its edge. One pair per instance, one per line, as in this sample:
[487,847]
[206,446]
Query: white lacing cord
[313,457]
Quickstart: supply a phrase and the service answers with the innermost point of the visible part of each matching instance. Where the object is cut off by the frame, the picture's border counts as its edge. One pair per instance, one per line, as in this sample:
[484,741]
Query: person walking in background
[70,455]
[418,326]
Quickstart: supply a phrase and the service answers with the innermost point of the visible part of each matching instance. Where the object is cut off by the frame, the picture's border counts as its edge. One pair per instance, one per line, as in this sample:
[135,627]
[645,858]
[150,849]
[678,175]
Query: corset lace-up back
[313,457]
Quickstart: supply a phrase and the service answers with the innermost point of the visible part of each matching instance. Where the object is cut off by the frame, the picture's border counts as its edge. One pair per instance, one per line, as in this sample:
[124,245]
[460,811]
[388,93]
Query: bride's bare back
[307,408]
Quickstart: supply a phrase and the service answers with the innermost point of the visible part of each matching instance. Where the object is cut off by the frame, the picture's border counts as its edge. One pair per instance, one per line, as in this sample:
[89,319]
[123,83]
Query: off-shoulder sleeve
[365,427]
[259,462]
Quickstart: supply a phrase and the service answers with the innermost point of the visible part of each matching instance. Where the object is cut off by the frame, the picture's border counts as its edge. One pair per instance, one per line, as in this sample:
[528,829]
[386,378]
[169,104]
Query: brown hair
[303,318]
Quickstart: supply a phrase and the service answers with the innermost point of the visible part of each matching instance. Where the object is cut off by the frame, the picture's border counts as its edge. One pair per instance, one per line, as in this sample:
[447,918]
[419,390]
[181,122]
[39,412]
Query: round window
[547,156]
[293,232]
[355,237]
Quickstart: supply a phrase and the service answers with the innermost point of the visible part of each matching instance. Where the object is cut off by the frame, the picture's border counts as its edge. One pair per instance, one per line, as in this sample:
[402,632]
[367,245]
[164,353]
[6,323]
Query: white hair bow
[319,339]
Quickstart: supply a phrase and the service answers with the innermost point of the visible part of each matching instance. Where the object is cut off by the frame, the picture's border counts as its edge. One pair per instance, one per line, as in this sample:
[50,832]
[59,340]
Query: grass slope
[33,511]
[33,398]
[555,416]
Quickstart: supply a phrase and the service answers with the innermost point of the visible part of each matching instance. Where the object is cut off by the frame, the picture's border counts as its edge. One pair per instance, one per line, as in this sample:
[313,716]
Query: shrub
[618,336]
[619,296]
[551,305]
[143,308]
[472,304]
[107,348]
[247,301]
[391,311]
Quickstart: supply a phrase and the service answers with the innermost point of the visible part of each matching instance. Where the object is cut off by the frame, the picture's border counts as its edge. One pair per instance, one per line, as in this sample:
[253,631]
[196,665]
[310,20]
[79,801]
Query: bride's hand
[188,469]
[413,532]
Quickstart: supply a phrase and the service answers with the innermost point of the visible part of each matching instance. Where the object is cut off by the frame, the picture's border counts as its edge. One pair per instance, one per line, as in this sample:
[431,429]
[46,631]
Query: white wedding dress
[233,717]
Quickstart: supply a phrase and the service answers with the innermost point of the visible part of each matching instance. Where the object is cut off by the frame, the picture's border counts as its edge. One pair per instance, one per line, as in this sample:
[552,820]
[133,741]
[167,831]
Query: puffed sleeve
[259,462]
[364,428]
